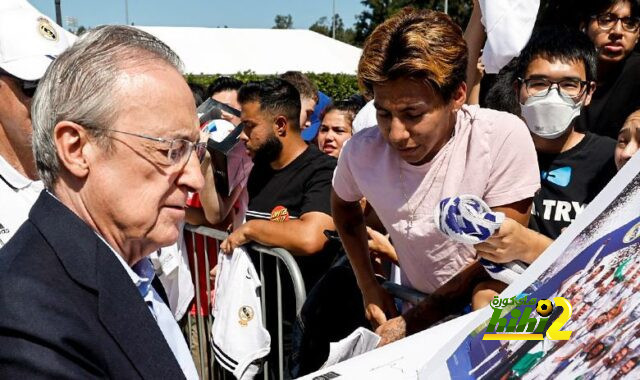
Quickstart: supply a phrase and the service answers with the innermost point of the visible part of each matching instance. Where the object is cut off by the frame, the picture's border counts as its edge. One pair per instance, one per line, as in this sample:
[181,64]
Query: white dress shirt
[142,274]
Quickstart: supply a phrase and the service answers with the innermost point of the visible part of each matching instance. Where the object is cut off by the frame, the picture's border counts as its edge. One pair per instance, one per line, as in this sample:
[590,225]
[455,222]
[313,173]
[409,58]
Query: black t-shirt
[569,181]
[613,101]
[302,186]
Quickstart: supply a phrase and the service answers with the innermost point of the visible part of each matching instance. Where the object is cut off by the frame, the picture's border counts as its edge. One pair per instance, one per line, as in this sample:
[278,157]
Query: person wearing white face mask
[555,80]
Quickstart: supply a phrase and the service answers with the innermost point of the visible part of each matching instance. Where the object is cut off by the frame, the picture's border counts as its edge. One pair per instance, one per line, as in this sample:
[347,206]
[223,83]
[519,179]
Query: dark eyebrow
[409,107]
[538,76]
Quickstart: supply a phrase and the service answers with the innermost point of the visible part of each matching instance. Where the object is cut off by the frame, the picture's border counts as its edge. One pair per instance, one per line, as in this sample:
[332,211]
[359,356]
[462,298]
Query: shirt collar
[13,177]
[142,272]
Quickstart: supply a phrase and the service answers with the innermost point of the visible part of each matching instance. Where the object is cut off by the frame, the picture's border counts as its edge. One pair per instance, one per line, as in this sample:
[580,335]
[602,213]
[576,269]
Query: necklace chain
[412,213]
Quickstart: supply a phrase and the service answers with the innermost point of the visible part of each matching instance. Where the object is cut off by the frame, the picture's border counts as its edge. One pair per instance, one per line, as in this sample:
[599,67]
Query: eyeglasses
[608,21]
[178,151]
[28,87]
[539,87]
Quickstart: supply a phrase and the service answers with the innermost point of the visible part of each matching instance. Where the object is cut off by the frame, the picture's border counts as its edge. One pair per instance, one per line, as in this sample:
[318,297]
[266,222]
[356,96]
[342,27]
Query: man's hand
[513,241]
[392,330]
[237,238]
[213,273]
[378,305]
[381,246]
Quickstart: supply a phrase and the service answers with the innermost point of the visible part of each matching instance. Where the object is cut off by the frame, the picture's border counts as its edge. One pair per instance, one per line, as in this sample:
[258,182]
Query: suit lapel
[128,319]
[121,309]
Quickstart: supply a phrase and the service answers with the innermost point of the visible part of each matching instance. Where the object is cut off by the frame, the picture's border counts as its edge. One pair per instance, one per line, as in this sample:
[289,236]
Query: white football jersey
[238,336]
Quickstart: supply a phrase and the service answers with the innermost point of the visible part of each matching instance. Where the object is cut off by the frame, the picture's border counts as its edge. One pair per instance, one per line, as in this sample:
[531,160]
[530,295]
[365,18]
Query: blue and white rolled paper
[468,219]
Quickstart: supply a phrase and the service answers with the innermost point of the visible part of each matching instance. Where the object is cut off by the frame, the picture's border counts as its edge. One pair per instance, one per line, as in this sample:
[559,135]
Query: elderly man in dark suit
[115,132]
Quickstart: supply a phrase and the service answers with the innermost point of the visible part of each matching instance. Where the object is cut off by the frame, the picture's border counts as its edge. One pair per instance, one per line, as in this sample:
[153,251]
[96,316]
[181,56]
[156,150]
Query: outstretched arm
[514,241]
[302,237]
[349,220]
[450,298]
[475,36]
[215,207]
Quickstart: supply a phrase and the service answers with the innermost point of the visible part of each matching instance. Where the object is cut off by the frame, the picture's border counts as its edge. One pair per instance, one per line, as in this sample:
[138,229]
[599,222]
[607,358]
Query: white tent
[263,51]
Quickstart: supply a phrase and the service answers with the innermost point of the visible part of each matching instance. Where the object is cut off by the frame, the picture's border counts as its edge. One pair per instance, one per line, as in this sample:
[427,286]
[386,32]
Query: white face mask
[549,116]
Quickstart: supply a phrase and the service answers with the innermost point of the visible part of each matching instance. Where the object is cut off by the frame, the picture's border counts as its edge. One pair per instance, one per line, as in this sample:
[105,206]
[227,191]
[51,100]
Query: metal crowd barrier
[404,293]
[200,340]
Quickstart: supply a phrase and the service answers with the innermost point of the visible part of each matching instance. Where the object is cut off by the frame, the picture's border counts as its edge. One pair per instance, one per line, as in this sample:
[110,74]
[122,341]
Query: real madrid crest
[47,30]
[246,314]
[632,234]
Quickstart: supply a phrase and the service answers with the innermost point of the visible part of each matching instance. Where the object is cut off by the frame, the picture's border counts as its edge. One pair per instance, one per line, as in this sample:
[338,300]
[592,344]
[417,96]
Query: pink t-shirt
[491,155]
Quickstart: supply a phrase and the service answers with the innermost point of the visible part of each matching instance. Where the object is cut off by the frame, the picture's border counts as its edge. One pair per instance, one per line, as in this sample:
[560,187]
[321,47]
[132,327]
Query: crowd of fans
[347,186]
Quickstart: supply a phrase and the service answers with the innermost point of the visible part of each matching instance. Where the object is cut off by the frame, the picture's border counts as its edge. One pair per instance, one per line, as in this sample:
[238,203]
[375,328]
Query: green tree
[283,22]
[323,26]
[379,10]
[320,26]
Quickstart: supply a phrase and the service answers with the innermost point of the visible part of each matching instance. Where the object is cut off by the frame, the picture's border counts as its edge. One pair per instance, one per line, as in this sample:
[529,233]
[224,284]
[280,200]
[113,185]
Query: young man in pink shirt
[428,146]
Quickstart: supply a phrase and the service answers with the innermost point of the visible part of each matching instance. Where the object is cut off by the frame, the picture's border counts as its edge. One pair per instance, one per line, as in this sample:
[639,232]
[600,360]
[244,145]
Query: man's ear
[73,147]
[281,125]
[516,90]
[589,93]
[459,97]
[583,27]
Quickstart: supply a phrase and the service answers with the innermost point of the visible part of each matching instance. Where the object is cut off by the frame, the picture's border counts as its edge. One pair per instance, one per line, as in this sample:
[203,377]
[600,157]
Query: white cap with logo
[29,42]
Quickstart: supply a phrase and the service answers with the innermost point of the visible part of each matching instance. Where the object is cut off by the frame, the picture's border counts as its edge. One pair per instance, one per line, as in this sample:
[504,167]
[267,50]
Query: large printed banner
[575,313]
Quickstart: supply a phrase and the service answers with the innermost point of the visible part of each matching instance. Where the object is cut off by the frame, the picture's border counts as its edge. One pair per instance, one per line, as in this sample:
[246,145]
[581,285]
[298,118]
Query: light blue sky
[208,13]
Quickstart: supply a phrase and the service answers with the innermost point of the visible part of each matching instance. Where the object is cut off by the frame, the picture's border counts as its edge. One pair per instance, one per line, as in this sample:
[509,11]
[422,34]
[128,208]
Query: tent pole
[333,20]
[126,12]
[58,13]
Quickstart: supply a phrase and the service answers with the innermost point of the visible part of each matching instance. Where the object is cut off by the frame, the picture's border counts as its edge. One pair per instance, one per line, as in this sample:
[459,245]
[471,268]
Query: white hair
[82,86]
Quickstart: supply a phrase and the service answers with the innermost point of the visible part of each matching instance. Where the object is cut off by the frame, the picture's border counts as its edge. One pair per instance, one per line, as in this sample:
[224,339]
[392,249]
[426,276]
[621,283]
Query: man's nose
[191,175]
[243,136]
[398,133]
[630,150]
[617,27]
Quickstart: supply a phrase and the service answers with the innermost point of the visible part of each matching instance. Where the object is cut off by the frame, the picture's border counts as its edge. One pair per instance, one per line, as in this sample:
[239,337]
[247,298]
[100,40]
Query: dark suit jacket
[68,309]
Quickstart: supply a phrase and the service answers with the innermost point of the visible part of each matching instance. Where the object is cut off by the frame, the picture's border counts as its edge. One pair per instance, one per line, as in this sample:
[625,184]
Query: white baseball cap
[29,42]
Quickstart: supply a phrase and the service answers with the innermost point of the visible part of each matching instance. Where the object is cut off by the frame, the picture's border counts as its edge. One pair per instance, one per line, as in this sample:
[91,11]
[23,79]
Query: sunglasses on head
[28,87]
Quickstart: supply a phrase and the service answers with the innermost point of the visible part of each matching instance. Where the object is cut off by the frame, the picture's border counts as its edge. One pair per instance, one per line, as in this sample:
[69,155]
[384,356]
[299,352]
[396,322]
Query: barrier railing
[200,339]
[404,293]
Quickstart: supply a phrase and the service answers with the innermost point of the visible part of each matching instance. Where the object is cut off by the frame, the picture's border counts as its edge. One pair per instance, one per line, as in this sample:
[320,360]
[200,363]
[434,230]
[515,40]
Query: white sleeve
[509,24]
[344,183]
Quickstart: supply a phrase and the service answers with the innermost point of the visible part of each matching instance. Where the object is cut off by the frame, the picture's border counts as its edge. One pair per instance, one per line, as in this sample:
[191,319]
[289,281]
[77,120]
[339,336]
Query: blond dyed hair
[420,44]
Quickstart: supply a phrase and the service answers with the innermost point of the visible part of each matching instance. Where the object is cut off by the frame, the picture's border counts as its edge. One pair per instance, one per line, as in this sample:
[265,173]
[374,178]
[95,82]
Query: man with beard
[289,192]
[290,183]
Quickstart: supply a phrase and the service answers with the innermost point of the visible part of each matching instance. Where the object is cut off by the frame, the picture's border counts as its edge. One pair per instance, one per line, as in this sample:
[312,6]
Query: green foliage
[379,10]
[283,22]
[366,22]
[323,26]
[336,86]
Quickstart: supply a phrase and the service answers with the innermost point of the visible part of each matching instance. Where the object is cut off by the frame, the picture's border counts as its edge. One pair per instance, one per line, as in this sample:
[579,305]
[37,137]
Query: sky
[204,13]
